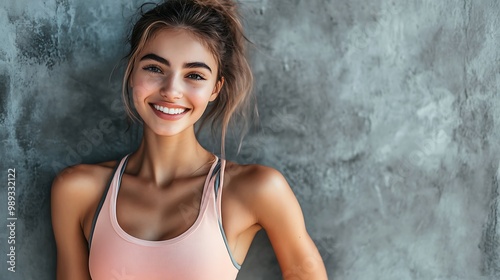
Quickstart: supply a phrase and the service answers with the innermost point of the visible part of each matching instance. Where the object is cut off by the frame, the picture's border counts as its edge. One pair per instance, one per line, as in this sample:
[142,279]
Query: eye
[195,76]
[153,69]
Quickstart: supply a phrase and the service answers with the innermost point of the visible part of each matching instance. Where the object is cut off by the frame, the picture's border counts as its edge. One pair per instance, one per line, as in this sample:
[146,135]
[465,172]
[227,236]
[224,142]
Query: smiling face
[174,78]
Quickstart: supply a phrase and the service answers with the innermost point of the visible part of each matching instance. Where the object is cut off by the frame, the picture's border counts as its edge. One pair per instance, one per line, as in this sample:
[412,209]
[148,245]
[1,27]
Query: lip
[167,116]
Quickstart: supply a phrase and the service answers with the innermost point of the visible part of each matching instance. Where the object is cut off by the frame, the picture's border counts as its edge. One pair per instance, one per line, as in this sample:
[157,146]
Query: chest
[159,213]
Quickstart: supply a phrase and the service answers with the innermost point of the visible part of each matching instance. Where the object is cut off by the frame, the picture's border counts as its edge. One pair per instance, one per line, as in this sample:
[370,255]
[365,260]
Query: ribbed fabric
[200,253]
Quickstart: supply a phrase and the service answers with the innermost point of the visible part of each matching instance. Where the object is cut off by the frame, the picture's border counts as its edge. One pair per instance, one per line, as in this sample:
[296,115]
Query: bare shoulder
[80,185]
[82,177]
[265,193]
[254,181]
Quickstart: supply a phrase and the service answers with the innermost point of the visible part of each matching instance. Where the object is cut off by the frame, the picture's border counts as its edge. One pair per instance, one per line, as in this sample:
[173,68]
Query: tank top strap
[216,174]
[118,167]
[218,186]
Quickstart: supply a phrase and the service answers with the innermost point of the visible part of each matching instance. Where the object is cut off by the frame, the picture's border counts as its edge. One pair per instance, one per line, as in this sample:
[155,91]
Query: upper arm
[67,210]
[279,213]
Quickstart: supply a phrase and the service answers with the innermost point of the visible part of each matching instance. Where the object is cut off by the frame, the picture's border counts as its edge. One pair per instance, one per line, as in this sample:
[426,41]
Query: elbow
[311,268]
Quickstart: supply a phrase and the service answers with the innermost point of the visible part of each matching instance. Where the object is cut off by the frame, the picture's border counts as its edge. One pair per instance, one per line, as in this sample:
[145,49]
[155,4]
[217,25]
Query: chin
[169,131]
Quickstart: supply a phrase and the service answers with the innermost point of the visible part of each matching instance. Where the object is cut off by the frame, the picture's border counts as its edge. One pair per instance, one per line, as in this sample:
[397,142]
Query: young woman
[172,209]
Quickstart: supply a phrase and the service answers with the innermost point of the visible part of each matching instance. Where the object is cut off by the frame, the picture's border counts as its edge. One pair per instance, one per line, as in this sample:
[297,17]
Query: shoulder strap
[101,202]
[218,188]
[216,173]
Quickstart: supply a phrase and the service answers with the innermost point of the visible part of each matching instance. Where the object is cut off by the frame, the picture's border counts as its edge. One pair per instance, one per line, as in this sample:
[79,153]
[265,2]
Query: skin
[176,70]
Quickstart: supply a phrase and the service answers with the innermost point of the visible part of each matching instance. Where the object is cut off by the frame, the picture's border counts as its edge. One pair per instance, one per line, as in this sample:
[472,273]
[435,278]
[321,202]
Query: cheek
[200,95]
[144,82]
[138,93]
[143,86]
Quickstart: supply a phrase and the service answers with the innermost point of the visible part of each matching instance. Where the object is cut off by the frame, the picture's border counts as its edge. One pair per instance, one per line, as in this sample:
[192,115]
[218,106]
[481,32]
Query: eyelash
[153,69]
[157,70]
[196,77]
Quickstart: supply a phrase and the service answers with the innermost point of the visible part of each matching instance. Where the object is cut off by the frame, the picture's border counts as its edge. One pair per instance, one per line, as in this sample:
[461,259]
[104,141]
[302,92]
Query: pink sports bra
[201,252]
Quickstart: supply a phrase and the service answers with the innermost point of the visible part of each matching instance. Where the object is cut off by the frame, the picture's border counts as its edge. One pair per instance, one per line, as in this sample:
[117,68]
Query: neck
[162,159]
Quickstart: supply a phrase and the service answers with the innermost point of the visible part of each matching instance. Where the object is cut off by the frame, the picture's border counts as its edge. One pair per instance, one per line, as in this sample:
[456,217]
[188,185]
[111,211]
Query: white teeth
[170,111]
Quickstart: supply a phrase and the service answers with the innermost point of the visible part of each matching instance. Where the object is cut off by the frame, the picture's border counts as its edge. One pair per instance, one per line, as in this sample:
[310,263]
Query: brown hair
[217,24]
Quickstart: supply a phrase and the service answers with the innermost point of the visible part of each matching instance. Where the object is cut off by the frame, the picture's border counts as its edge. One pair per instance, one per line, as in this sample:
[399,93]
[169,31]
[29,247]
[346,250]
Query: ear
[217,89]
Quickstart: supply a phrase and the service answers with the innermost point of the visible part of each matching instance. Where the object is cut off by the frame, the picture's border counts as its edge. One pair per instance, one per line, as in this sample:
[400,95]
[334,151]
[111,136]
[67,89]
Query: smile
[170,111]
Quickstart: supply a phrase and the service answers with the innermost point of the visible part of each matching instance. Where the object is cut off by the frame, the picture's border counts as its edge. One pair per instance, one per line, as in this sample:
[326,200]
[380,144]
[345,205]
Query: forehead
[178,46]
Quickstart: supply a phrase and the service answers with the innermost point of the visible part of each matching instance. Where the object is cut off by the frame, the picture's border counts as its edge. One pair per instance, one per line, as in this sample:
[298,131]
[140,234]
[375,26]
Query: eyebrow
[155,57]
[162,60]
[197,65]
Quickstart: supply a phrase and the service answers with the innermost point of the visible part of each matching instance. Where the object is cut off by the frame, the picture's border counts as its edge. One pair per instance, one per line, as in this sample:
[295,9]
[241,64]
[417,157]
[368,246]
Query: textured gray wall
[381,114]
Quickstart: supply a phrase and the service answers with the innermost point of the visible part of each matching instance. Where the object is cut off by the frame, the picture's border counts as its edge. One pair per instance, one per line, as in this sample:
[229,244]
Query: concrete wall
[381,114]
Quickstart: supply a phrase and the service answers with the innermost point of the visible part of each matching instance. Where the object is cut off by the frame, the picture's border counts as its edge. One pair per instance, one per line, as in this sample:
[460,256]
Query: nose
[172,87]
